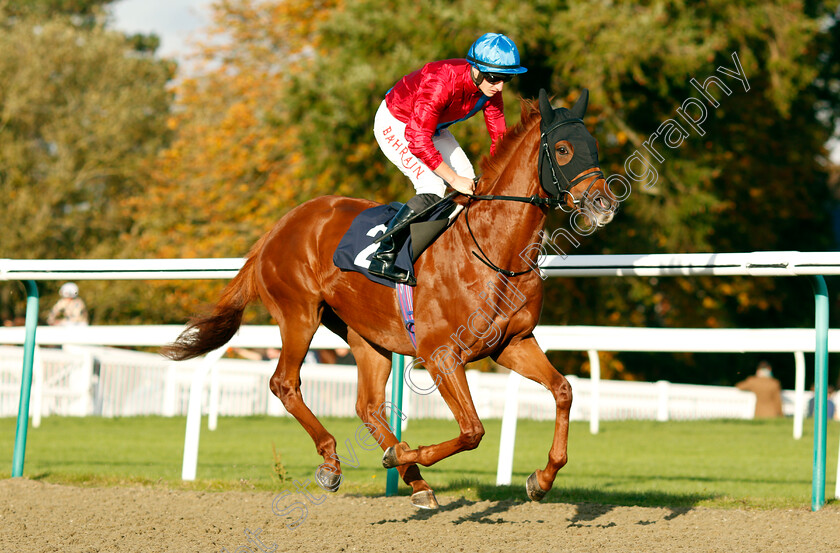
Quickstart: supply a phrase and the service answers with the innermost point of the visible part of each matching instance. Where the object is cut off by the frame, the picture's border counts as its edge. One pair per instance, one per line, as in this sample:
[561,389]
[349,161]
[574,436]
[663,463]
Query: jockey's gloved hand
[463,185]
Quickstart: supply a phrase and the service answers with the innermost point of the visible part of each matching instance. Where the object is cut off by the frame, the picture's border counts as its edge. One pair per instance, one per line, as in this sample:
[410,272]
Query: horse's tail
[209,332]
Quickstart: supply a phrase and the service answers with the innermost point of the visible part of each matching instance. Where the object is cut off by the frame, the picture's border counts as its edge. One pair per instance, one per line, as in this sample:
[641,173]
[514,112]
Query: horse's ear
[582,103]
[546,111]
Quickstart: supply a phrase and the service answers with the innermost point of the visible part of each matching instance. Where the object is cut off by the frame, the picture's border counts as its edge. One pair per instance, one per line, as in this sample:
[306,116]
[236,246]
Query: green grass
[676,464]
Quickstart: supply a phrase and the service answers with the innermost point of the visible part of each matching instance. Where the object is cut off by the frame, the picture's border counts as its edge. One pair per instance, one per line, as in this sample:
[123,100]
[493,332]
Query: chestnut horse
[548,159]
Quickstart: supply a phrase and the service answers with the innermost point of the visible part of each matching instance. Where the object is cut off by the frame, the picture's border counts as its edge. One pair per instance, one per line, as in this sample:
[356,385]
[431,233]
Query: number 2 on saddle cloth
[357,246]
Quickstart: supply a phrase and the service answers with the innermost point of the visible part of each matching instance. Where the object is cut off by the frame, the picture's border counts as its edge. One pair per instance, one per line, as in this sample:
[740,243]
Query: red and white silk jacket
[437,95]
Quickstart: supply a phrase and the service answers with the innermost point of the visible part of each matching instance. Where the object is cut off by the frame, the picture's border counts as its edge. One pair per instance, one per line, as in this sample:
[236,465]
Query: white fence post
[36,408]
[595,404]
[213,409]
[86,384]
[799,397]
[574,413]
[663,388]
[837,481]
[504,470]
[194,413]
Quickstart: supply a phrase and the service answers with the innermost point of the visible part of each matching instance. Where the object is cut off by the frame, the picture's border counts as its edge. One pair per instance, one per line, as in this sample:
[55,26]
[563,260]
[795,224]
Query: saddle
[357,245]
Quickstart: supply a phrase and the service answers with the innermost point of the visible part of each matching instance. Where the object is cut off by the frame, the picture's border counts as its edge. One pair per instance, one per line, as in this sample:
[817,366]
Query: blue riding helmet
[495,53]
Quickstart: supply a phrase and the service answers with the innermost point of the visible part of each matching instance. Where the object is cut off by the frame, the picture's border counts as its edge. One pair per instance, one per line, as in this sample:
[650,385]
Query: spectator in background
[767,390]
[830,408]
[70,309]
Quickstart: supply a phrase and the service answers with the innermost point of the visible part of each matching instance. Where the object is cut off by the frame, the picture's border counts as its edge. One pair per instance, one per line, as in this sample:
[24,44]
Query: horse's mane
[492,166]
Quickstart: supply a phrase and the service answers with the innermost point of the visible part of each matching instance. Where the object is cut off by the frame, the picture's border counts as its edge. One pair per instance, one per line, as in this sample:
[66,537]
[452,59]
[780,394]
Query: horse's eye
[562,150]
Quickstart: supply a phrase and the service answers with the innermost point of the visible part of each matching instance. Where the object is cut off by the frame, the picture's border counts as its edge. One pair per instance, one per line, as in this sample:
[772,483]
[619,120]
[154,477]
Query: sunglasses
[494,78]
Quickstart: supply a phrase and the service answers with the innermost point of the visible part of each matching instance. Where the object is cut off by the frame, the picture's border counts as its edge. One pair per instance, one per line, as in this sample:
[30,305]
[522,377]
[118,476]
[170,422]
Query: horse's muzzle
[597,210]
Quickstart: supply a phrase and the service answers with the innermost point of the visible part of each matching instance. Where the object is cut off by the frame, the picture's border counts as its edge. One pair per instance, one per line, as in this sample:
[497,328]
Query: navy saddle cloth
[356,247]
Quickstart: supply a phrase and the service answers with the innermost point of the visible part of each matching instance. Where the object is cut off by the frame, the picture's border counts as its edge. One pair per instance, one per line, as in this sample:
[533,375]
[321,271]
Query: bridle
[557,201]
[565,186]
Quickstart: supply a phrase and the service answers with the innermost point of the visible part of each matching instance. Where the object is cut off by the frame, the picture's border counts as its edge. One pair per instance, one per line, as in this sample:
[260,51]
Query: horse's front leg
[526,358]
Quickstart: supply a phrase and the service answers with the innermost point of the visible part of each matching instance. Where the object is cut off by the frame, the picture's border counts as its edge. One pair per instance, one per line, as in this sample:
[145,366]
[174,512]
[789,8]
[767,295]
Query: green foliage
[45,8]
[754,182]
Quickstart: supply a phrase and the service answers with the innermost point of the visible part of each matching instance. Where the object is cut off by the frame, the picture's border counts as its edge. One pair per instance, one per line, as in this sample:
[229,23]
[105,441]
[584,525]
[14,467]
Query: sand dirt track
[39,517]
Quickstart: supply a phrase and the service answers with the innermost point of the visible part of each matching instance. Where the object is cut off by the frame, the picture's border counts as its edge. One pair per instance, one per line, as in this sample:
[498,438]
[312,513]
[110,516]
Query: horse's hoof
[328,479]
[389,459]
[424,500]
[533,489]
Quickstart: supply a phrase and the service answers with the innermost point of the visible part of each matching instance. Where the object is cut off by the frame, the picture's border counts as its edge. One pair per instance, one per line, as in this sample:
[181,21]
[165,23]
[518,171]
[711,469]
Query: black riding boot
[382,262]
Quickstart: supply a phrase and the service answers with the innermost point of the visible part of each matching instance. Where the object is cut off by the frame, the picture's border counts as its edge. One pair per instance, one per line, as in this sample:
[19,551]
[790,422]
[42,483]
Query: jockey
[411,129]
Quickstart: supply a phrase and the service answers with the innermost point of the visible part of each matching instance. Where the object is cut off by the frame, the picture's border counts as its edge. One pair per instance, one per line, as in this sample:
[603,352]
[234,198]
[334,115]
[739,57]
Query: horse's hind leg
[298,323]
[374,367]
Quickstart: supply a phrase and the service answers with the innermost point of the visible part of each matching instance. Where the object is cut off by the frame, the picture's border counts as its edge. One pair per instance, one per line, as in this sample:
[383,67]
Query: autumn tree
[231,170]
[80,111]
